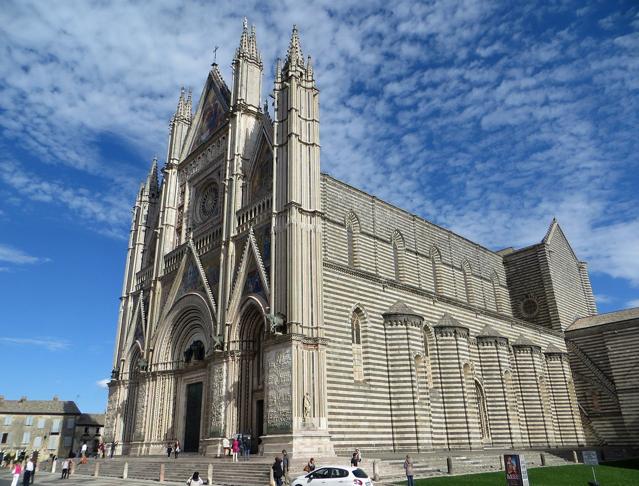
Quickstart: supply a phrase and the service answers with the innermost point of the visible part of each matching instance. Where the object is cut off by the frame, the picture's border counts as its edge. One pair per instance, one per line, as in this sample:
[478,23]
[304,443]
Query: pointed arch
[399,250]
[357,320]
[352,239]
[468,281]
[429,341]
[438,270]
[500,305]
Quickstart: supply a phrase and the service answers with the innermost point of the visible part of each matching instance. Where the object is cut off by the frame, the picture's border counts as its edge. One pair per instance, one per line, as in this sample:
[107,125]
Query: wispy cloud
[485,117]
[16,256]
[633,303]
[51,344]
[103,383]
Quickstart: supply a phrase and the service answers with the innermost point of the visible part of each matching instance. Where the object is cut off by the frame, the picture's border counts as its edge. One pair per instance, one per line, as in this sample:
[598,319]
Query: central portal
[193,417]
[250,391]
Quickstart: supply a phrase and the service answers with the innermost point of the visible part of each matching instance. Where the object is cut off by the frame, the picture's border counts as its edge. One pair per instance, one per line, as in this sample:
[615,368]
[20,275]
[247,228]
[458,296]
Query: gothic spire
[294,55]
[248,44]
[151,186]
[184,107]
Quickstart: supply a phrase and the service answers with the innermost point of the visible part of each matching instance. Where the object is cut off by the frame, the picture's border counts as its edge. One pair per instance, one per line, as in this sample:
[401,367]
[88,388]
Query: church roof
[401,307]
[489,331]
[524,341]
[552,349]
[607,318]
[448,321]
[91,419]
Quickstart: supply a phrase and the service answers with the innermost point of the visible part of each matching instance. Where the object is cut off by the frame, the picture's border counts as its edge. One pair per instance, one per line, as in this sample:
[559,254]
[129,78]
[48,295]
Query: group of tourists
[27,470]
[237,446]
[173,447]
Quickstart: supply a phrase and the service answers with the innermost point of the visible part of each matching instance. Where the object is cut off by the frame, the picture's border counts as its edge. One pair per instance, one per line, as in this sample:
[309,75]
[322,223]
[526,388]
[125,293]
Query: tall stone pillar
[535,418]
[407,379]
[502,416]
[454,423]
[569,431]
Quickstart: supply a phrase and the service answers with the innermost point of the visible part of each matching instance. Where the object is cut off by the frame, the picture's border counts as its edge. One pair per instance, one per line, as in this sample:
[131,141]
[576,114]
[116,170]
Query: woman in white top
[195,479]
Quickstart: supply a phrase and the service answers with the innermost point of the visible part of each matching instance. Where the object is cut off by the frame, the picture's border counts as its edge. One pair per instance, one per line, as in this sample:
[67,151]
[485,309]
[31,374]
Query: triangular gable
[210,114]
[259,170]
[251,253]
[137,326]
[555,231]
[190,277]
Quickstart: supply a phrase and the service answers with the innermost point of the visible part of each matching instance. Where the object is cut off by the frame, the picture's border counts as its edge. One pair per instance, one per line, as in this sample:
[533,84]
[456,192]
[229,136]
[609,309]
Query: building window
[5,438]
[67,441]
[8,419]
[37,442]
[54,440]
[481,411]
[468,282]
[55,428]
[28,420]
[41,423]
[356,342]
[398,255]
[352,239]
[438,270]
[26,437]
[70,423]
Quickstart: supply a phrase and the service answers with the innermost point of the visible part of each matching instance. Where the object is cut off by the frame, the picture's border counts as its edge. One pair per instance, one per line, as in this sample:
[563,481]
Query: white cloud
[51,344]
[455,110]
[633,303]
[103,383]
[16,256]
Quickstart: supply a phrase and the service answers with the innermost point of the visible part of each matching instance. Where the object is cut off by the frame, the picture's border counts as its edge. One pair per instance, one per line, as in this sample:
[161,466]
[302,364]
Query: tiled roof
[448,321]
[489,331]
[43,407]
[91,419]
[524,341]
[400,308]
[608,318]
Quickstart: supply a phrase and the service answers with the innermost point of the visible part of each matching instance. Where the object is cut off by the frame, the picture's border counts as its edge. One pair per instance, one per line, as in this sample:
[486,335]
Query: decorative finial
[215,56]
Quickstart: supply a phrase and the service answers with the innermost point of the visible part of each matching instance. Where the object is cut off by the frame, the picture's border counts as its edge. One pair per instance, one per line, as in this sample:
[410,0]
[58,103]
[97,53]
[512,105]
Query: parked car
[334,476]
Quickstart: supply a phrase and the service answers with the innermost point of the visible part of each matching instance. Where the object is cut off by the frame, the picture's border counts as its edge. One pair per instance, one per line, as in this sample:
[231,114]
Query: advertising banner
[516,471]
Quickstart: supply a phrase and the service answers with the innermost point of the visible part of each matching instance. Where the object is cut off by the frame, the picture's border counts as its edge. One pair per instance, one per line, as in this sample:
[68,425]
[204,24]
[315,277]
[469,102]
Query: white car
[334,476]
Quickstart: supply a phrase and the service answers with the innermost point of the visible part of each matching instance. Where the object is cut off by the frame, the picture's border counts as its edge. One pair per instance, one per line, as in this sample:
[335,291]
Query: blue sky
[483,117]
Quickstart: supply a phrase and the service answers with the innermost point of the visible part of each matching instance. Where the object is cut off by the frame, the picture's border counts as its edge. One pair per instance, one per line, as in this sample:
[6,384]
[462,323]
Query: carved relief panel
[217,400]
[279,414]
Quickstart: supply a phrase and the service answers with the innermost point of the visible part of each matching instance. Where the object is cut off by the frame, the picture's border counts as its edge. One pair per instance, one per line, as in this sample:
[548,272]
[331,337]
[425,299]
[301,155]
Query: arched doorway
[250,389]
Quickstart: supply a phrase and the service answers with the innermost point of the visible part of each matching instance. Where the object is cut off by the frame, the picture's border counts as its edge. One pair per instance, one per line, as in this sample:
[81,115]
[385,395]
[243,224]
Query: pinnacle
[294,55]
[248,44]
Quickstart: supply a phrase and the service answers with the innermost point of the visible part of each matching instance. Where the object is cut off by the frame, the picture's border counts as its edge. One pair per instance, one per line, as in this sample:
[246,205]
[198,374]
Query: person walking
[408,468]
[285,465]
[354,460]
[235,448]
[226,446]
[359,455]
[195,479]
[169,449]
[277,471]
[83,450]
[177,449]
[28,472]
[246,441]
[16,471]
[113,444]
[65,469]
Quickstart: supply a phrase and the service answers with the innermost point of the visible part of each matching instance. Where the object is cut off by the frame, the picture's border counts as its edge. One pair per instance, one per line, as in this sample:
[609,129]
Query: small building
[604,358]
[46,426]
[88,428]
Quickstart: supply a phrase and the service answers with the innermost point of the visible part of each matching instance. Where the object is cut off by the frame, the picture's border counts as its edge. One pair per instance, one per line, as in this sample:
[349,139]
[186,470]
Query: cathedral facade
[263,297]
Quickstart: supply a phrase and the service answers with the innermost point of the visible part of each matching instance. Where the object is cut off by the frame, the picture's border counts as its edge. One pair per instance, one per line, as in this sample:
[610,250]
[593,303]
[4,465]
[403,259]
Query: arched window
[482,411]
[397,242]
[356,343]
[421,379]
[428,337]
[352,239]
[438,270]
[494,279]
[468,282]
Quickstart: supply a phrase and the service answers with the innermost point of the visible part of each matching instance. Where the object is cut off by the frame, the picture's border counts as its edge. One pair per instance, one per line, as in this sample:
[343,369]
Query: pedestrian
[285,464]
[28,472]
[83,450]
[195,479]
[65,469]
[359,455]
[310,466]
[225,445]
[408,468]
[235,448]
[277,471]
[113,444]
[16,471]
[354,460]
[177,449]
[169,449]
[246,440]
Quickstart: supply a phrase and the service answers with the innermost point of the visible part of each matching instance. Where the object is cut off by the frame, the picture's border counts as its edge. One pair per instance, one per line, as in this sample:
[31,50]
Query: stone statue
[307,406]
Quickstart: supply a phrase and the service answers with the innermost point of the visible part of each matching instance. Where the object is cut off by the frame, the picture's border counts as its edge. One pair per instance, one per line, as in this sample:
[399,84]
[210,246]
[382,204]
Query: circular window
[208,202]
[529,307]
